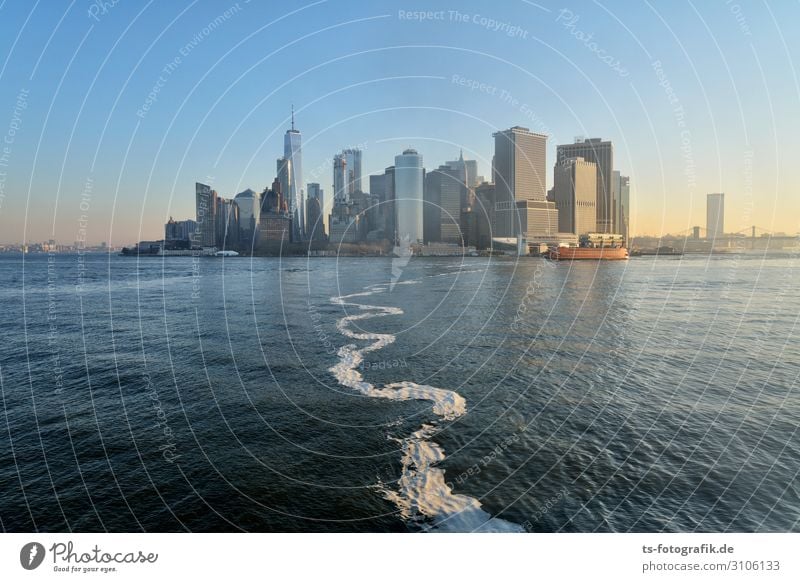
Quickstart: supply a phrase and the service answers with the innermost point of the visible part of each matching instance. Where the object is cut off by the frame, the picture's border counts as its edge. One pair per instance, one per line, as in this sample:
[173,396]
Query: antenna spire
[292,116]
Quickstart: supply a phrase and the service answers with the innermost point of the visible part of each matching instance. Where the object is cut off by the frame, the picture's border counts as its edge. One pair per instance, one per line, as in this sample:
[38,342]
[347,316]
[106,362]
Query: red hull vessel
[588,253]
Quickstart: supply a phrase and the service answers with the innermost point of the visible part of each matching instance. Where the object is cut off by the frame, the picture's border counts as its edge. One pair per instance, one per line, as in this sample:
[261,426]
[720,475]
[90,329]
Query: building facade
[249,205]
[293,152]
[179,230]
[445,192]
[409,178]
[340,192]
[352,158]
[519,172]
[205,205]
[227,224]
[315,192]
[622,200]
[601,153]
[575,194]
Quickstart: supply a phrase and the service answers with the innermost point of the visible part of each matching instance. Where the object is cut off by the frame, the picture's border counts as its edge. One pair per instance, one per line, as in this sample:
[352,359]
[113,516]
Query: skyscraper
[575,193]
[315,212]
[622,199]
[470,169]
[602,154]
[445,191]
[340,191]
[715,215]
[352,158]
[206,205]
[249,213]
[484,209]
[292,151]
[521,206]
[227,224]
[408,197]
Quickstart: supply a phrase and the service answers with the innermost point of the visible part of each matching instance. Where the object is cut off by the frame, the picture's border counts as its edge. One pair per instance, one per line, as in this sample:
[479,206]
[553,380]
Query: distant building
[537,219]
[293,153]
[227,224]
[274,221]
[484,211]
[470,167]
[340,192]
[177,230]
[205,204]
[575,194]
[519,176]
[345,229]
[249,205]
[381,187]
[352,157]
[622,201]
[315,228]
[409,176]
[315,192]
[445,191]
[600,153]
[715,216]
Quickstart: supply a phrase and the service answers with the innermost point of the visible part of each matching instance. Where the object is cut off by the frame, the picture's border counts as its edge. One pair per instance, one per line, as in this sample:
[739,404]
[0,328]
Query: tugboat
[592,247]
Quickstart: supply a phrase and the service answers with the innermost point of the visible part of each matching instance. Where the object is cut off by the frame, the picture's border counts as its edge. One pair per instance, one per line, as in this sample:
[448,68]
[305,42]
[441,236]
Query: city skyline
[130,133]
[376,267]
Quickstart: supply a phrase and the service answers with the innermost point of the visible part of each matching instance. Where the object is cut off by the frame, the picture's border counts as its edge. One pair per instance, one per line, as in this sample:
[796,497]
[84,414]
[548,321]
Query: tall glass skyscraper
[352,157]
[292,150]
[408,192]
[249,213]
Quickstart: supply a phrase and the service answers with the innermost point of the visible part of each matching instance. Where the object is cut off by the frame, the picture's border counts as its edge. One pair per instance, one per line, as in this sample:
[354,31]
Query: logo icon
[31,555]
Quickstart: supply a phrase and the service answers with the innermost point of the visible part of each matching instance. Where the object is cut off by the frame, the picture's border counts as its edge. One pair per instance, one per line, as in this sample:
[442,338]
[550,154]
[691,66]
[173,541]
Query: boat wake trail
[422,494]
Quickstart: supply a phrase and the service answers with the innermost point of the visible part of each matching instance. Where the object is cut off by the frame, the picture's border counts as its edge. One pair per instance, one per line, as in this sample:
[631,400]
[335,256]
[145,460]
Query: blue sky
[698,97]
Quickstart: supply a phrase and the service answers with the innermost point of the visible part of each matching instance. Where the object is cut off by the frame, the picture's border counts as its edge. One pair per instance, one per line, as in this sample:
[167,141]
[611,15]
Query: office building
[274,221]
[445,192]
[409,178]
[601,153]
[205,205]
[352,158]
[575,194]
[715,216]
[340,192]
[538,220]
[381,188]
[293,153]
[470,168]
[315,227]
[182,230]
[249,204]
[484,211]
[227,224]
[314,191]
[520,177]
[622,200]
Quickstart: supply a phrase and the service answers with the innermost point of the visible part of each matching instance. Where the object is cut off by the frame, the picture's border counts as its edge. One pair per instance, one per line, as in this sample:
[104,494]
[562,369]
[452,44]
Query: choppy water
[317,395]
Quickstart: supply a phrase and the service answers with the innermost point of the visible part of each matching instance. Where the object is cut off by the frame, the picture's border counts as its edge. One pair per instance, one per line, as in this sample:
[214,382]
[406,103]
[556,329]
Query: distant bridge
[754,237]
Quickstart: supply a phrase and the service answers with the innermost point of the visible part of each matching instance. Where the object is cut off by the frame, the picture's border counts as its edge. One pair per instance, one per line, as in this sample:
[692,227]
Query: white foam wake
[422,494]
